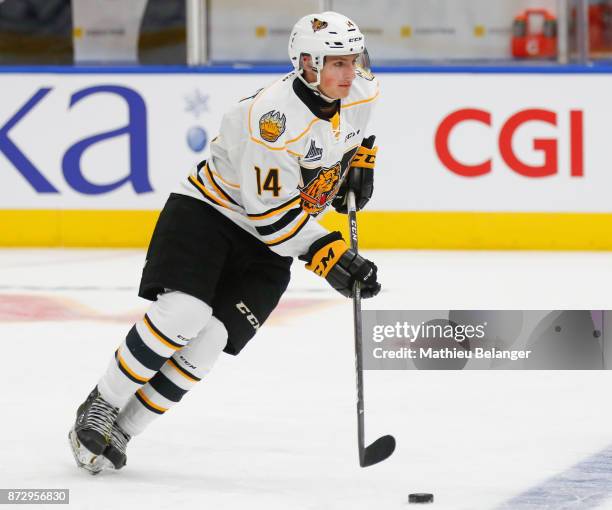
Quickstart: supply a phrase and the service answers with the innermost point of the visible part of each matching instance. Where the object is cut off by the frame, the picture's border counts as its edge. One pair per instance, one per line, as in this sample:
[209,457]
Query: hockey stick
[384,446]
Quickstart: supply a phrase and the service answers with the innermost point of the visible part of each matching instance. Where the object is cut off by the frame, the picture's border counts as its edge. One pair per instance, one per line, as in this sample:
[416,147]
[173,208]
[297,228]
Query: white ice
[275,427]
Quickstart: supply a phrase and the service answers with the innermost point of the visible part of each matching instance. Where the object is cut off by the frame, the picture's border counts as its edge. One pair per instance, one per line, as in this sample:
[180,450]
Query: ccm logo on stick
[548,146]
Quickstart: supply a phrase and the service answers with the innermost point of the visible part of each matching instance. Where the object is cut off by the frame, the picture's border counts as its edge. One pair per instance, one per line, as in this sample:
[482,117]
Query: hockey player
[219,258]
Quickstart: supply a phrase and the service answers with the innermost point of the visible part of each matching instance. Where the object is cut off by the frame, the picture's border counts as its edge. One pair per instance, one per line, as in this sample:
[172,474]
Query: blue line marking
[247,68]
[135,69]
[585,485]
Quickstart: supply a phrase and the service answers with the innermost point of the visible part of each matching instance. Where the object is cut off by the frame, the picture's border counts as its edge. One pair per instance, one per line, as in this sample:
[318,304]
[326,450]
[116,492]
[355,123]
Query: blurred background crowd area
[239,32]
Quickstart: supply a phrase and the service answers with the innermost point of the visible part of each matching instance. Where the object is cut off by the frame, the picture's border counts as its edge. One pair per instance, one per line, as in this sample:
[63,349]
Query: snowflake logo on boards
[197,103]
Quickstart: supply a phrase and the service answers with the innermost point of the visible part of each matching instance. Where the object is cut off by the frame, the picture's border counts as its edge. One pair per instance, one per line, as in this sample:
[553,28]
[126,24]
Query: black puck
[420,497]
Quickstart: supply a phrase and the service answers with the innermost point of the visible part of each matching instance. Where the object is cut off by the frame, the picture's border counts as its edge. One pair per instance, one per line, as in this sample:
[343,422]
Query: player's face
[337,76]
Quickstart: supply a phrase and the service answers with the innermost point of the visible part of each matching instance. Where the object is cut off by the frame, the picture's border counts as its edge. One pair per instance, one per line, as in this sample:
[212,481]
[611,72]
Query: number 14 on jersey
[270,181]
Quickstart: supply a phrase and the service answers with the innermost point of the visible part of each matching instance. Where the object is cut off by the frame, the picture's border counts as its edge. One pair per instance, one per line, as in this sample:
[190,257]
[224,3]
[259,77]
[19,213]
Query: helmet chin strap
[314,86]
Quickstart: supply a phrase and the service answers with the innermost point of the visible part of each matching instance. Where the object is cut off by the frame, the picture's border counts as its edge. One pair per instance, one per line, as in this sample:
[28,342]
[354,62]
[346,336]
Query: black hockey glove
[360,177]
[332,259]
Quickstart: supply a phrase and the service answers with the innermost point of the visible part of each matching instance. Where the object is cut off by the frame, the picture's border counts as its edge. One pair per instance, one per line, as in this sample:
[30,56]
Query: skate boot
[115,451]
[91,432]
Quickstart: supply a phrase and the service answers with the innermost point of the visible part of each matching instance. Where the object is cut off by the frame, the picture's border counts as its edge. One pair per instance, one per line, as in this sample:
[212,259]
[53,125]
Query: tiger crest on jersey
[320,190]
[318,24]
[272,125]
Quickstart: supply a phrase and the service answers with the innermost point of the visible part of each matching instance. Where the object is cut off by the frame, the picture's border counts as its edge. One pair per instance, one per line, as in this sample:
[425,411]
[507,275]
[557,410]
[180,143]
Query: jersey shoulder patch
[277,114]
[272,125]
[268,115]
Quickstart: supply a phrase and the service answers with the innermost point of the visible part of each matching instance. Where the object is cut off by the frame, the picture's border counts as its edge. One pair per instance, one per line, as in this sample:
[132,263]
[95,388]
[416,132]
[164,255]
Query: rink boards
[467,159]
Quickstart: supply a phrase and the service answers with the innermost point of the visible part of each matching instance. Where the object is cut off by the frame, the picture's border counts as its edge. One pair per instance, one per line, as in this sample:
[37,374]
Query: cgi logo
[548,146]
[136,129]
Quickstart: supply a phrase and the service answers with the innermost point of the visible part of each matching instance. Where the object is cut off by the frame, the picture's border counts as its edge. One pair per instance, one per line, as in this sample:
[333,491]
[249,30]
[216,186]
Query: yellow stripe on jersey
[207,193]
[275,211]
[348,105]
[292,232]
[296,154]
[316,119]
[227,183]
[267,146]
[217,188]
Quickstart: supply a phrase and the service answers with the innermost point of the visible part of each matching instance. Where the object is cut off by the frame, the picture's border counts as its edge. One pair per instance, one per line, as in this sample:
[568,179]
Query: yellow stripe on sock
[159,337]
[129,370]
[173,364]
[148,401]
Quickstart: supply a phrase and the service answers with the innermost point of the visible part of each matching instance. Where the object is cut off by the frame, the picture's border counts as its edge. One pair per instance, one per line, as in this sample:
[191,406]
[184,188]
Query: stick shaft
[352,217]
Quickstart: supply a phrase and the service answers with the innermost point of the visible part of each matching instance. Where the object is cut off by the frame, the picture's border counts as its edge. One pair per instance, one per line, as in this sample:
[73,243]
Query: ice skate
[93,464]
[91,432]
[114,453]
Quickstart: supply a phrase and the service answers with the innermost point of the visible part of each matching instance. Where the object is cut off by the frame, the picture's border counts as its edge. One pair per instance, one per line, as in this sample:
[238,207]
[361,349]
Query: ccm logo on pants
[244,310]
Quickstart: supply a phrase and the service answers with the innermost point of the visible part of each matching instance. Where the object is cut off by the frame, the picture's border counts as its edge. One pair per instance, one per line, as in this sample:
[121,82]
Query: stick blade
[378,451]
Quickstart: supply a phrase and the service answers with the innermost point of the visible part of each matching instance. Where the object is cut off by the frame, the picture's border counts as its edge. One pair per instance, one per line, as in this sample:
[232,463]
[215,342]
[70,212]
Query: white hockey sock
[178,375]
[169,324]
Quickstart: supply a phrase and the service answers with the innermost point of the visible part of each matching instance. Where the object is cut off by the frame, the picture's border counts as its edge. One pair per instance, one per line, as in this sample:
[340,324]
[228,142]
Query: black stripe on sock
[166,388]
[142,352]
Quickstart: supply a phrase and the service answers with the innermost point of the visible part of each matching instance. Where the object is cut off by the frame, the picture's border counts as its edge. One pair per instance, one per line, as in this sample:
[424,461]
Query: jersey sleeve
[270,180]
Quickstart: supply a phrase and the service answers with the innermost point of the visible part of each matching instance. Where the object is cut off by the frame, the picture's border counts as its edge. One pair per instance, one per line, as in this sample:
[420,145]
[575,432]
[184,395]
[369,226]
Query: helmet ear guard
[316,68]
[315,65]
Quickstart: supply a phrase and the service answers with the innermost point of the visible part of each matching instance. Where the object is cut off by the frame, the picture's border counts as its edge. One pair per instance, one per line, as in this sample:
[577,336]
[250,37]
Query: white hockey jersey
[276,164]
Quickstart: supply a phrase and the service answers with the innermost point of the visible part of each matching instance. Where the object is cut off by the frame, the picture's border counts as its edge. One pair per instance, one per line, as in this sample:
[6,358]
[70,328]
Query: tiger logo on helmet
[318,24]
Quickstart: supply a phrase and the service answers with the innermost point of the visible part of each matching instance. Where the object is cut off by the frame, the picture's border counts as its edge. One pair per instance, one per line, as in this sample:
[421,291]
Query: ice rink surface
[275,427]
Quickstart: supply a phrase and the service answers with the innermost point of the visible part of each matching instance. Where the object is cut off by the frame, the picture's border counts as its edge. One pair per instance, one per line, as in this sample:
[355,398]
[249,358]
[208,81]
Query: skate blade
[93,464]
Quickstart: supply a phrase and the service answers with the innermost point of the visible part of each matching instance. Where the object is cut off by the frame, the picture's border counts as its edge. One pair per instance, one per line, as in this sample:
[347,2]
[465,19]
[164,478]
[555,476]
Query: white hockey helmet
[321,35]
